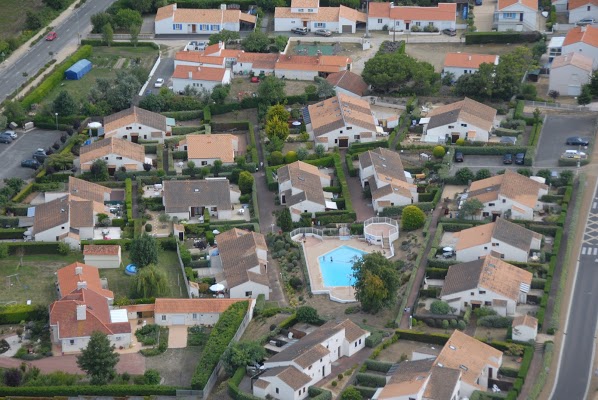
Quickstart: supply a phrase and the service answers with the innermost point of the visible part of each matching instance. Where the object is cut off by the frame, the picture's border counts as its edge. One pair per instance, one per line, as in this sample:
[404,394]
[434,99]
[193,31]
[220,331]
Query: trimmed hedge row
[77,390]
[356,148]
[370,380]
[12,233]
[184,115]
[185,130]
[316,393]
[379,366]
[14,314]
[100,43]
[30,248]
[233,386]
[129,198]
[431,338]
[502,37]
[350,167]
[340,174]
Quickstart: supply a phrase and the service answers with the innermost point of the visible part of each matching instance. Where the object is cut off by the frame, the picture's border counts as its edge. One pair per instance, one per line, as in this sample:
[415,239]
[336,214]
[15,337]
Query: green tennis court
[312,49]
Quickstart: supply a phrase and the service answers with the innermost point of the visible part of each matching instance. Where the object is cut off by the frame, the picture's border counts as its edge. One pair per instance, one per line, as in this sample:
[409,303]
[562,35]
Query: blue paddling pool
[131,269]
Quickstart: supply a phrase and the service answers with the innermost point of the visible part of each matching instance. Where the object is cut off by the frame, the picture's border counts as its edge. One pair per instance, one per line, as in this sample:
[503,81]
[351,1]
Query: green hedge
[379,366]
[14,314]
[501,37]
[77,390]
[30,248]
[185,130]
[490,150]
[316,393]
[129,198]
[432,338]
[366,392]
[100,43]
[370,380]
[528,354]
[340,174]
[207,115]
[233,386]
[535,135]
[26,191]
[356,148]
[184,115]
[12,233]
[374,339]
[350,167]
[220,337]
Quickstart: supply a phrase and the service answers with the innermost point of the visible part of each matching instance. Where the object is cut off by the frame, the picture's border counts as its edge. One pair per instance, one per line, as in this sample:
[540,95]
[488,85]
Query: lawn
[13,14]
[36,277]
[120,283]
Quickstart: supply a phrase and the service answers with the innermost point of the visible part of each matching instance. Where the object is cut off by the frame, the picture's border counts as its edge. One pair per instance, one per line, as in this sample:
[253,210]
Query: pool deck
[313,248]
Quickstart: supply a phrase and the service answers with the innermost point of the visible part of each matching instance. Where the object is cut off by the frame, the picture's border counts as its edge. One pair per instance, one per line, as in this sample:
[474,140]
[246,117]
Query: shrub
[438,152]
[412,218]
[378,366]
[370,380]
[495,321]
[440,307]
[308,315]
[148,227]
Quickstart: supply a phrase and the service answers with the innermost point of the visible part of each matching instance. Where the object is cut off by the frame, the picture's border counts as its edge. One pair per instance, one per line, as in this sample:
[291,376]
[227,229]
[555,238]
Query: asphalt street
[575,366]
[11,77]
[556,130]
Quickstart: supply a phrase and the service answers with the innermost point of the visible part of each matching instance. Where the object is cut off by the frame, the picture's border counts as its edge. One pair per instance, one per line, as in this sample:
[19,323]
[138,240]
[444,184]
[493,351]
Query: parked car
[12,134]
[30,163]
[255,79]
[507,158]
[299,31]
[6,135]
[5,139]
[520,158]
[578,141]
[322,32]
[574,154]
[40,155]
[51,36]
[458,156]
[585,21]
[159,83]
[449,32]
[478,2]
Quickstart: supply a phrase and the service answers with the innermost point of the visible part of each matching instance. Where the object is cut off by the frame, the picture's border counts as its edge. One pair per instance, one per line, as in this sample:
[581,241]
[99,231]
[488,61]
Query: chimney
[583,28]
[469,57]
[392,4]
[223,6]
[78,270]
[81,312]
[82,285]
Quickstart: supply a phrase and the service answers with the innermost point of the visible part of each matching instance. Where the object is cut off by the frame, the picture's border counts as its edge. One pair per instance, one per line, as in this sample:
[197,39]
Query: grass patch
[197,336]
[14,14]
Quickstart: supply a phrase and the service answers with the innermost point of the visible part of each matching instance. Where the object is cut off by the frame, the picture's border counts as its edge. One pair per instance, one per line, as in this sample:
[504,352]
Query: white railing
[544,104]
[307,231]
[371,235]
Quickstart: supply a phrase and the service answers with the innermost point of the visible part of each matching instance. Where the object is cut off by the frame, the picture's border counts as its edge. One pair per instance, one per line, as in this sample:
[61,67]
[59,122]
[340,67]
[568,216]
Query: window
[485,248]
[359,341]
[248,294]
[509,15]
[125,136]
[341,131]
[118,338]
[194,316]
[204,163]
[504,200]
[379,20]
[487,303]
[300,10]
[105,158]
[495,244]
[451,126]
[471,293]
[177,27]
[119,158]
[309,369]
[349,128]
[355,344]
[335,141]
[215,27]
[485,214]
[482,292]
[431,24]
[163,317]
[356,137]
[72,341]
[277,391]
[464,125]
[491,204]
[303,390]
[129,128]
[588,9]
[310,10]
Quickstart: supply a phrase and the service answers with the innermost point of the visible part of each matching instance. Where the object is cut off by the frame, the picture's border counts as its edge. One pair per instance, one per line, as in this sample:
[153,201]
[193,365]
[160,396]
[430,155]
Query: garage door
[177,320]
[347,29]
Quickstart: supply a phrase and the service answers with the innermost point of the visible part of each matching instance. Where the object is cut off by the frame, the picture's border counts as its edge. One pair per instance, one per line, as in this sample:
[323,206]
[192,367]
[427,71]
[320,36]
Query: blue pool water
[336,265]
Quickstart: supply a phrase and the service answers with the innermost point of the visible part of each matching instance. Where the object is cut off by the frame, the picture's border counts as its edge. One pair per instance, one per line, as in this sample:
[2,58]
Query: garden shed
[78,70]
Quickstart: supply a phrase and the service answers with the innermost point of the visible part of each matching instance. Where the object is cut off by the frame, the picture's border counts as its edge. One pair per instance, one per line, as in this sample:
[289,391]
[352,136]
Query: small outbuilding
[525,328]
[102,255]
[78,70]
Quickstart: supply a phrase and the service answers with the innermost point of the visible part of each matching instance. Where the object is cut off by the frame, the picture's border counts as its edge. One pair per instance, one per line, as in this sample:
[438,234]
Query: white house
[584,40]
[569,72]
[199,78]
[116,152]
[510,195]
[503,238]
[173,20]
[466,119]
[102,255]
[516,15]
[581,9]
[304,363]
[188,199]
[460,64]
[244,259]
[404,18]
[347,82]
[487,282]
[525,328]
[381,170]
[555,47]
[340,121]
[309,14]
[200,59]
[300,188]
[205,149]
[191,312]
[134,124]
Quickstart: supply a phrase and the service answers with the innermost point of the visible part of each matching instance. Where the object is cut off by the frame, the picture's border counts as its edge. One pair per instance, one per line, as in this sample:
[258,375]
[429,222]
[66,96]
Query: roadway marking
[594,204]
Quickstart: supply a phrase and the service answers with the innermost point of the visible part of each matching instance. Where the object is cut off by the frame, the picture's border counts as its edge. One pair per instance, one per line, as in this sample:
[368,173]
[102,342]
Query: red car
[51,36]
[255,79]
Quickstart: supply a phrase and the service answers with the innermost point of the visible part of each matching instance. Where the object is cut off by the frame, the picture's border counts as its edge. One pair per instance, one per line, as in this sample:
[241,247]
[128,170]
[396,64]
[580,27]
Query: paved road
[11,77]
[575,365]
[555,131]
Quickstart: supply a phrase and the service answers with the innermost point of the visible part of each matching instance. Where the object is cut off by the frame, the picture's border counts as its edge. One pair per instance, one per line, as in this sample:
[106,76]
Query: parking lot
[22,148]
[492,163]
[556,130]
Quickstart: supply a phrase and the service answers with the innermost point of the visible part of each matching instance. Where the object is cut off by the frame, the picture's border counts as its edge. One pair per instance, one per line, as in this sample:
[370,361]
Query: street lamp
[271,228]
[56,114]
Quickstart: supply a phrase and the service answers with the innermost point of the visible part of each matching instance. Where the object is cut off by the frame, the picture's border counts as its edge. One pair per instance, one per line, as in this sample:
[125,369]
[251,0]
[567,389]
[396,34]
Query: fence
[379,235]
[122,36]
[191,394]
[319,233]
[556,106]
[178,253]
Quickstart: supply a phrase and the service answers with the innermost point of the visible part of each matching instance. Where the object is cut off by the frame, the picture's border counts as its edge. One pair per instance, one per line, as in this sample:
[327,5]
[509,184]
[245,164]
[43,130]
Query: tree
[448,79]
[241,354]
[351,393]
[320,150]
[438,152]
[144,251]
[276,158]
[412,218]
[61,161]
[13,377]
[107,34]
[539,49]
[99,171]
[276,127]
[586,95]
[270,5]
[245,182]
[471,208]
[65,104]
[33,20]
[219,93]
[15,184]
[464,176]
[554,94]
[308,315]
[528,91]
[483,173]
[290,157]
[217,167]
[224,36]
[478,85]
[284,220]
[54,4]
[440,307]
[152,377]
[125,18]
[280,42]
[302,153]
[99,20]
[134,30]
[98,359]
[150,282]
[256,42]
[279,111]
[153,102]
[271,90]
[3,122]
[122,90]
[324,88]
[376,282]
[14,112]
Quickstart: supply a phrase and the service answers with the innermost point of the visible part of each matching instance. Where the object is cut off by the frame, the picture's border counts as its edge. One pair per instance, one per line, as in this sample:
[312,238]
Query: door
[454,137]
[111,170]
[177,320]
[181,236]
[193,28]
[406,26]
[521,17]
[343,142]
[135,138]
[305,24]
[495,215]
[323,371]
[347,29]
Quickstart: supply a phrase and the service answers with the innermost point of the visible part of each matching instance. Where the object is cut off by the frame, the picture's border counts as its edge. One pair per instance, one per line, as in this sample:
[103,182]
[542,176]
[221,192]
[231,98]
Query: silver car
[322,32]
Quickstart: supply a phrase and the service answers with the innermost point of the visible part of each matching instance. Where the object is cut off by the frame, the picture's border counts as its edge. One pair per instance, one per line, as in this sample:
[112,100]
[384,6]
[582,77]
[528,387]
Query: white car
[159,83]
[12,134]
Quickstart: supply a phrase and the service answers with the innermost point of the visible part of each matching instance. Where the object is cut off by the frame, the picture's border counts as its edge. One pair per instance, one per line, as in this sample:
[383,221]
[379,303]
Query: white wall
[253,287]
[458,71]
[178,85]
[584,49]
[196,64]
[144,132]
[529,23]
[350,348]
[568,79]
[458,300]
[166,319]
[438,134]
[166,26]
[284,391]
[560,5]
[103,261]
[504,204]
[305,206]
[50,235]
[511,253]
[113,161]
[582,12]
[301,75]
[119,340]
[401,25]
[333,136]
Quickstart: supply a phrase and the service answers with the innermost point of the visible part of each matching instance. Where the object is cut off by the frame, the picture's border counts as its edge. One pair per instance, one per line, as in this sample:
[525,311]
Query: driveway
[164,71]
[177,336]
[555,131]
[22,148]
[484,15]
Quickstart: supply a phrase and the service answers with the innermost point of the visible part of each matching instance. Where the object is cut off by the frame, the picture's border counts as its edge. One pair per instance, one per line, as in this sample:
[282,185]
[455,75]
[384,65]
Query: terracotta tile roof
[51,214]
[526,320]
[101,249]
[220,146]
[261,383]
[193,15]
[68,279]
[306,179]
[253,57]
[289,375]
[388,166]
[573,4]
[469,60]
[489,273]
[140,307]
[134,115]
[467,110]
[89,190]
[81,213]
[305,3]
[199,73]
[585,34]
[339,111]
[442,12]
[468,355]
[240,262]
[511,185]
[312,63]
[502,229]
[211,50]
[197,57]
[119,147]
[349,81]
[352,330]
[187,306]
[531,4]
[408,378]
[180,196]
[351,14]
[324,14]
[442,383]
[576,59]
[165,12]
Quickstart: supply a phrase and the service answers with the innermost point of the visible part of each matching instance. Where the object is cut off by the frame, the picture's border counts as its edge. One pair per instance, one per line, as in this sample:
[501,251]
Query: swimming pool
[336,266]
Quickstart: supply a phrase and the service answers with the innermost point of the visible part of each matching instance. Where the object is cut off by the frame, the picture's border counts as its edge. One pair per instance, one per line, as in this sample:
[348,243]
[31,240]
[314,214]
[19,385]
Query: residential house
[205,149]
[516,15]
[524,328]
[460,64]
[388,15]
[340,121]
[510,195]
[381,170]
[487,282]
[117,153]
[503,238]
[421,380]
[134,124]
[81,276]
[584,40]
[206,312]
[92,191]
[581,9]
[307,68]
[477,361]
[308,14]
[300,188]
[555,47]
[466,119]
[200,78]
[102,255]
[561,6]
[569,72]
[349,83]
[256,63]
[173,20]
[304,363]
[200,59]
[189,199]
[244,259]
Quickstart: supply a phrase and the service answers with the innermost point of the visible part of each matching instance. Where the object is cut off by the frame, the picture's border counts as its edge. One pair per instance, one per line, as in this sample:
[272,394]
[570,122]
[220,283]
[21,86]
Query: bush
[431,338]
[412,218]
[501,37]
[440,307]
[374,339]
[378,366]
[495,321]
[370,380]
[438,152]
